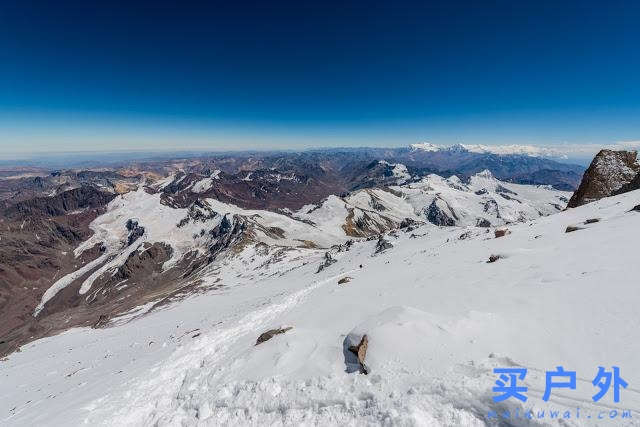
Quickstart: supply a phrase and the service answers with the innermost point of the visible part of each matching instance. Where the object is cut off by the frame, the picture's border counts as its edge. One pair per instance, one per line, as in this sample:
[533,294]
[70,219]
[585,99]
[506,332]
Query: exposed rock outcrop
[483,222]
[328,260]
[266,336]
[61,204]
[382,245]
[135,231]
[609,172]
[440,213]
[633,185]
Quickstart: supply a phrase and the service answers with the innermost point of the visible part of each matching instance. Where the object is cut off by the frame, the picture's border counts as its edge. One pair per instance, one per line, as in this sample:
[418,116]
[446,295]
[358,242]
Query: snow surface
[205,184]
[438,316]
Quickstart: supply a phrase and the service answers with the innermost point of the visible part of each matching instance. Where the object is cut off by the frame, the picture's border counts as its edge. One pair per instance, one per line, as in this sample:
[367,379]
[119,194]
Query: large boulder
[609,172]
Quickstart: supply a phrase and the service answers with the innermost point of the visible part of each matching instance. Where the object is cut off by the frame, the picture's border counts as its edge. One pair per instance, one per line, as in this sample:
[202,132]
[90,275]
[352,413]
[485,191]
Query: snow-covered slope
[483,200]
[206,228]
[439,318]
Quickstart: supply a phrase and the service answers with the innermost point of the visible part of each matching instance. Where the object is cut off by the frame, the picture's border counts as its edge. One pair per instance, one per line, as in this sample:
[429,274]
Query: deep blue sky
[231,74]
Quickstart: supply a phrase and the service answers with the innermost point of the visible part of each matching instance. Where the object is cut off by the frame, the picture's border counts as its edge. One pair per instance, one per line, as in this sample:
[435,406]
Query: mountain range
[175,266]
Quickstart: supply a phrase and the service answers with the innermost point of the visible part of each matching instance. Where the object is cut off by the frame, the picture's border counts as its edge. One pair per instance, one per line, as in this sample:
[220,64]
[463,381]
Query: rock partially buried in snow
[266,336]
[483,223]
[360,351]
[501,232]
[344,280]
[592,220]
[572,228]
[493,258]
[422,340]
[636,208]
[328,260]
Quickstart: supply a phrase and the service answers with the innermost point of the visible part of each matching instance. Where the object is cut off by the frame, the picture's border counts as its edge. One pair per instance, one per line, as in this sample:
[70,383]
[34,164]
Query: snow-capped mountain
[163,239]
[505,150]
[184,242]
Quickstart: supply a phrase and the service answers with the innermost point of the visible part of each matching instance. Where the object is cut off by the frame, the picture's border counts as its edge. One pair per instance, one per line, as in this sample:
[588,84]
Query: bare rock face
[609,172]
[440,213]
[633,185]
[266,336]
[135,231]
[85,197]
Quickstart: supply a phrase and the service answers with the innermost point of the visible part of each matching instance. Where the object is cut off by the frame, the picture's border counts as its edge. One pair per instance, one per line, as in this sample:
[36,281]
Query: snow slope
[363,213]
[438,316]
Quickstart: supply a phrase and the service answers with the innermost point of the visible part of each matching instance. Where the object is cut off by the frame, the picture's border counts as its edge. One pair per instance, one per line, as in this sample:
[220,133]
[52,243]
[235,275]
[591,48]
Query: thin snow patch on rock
[205,184]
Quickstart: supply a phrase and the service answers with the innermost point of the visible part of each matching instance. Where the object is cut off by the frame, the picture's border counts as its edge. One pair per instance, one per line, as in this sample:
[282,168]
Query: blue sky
[230,75]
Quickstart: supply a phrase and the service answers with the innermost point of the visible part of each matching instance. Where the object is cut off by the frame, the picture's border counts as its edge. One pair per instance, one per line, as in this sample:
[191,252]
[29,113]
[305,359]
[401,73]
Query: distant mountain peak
[501,150]
[485,174]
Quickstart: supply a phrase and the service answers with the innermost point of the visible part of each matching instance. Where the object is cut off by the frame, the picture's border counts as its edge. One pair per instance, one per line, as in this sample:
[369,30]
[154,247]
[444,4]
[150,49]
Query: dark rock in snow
[135,231]
[502,190]
[493,258]
[482,222]
[491,207]
[592,220]
[501,232]
[328,260]
[572,228]
[440,213]
[408,223]
[464,236]
[266,336]
[382,245]
[102,321]
[344,280]
[636,208]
